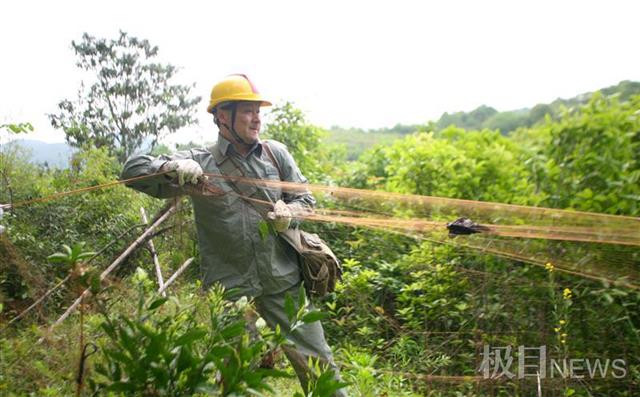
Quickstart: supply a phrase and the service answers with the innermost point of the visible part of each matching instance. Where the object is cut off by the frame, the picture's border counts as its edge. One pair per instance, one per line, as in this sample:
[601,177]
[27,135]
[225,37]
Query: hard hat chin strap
[232,129]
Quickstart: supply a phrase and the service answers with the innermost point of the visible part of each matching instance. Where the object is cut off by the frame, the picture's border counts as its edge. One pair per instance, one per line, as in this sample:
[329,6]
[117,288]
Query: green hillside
[357,140]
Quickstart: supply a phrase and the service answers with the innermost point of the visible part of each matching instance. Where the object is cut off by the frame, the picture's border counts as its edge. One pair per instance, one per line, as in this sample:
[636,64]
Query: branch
[139,241]
[174,276]
[166,229]
[50,291]
[152,249]
[37,302]
[111,109]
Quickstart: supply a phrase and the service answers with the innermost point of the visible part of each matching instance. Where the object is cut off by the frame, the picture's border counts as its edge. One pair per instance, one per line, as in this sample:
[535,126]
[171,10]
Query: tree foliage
[304,141]
[471,120]
[506,122]
[594,157]
[11,159]
[129,100]
[474,165]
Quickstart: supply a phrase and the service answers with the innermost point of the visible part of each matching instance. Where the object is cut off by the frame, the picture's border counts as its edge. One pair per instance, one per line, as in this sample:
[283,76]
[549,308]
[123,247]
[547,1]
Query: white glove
[281,216]
[188,170]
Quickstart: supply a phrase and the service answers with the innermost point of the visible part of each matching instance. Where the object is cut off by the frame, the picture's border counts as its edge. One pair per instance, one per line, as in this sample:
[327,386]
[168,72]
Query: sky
[365,64]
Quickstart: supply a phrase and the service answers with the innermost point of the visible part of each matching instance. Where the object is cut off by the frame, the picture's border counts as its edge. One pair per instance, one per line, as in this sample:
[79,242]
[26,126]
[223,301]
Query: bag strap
[267,148]
[225,169]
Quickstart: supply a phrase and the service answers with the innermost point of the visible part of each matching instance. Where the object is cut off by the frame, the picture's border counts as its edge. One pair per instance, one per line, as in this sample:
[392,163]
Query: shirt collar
[224,146]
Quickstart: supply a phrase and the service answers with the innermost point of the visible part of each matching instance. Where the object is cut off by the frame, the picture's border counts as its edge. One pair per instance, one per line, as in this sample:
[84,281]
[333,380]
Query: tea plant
[194,345]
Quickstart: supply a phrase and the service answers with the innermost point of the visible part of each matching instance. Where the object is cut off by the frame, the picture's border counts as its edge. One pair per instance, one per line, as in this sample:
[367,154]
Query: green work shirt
[232,249]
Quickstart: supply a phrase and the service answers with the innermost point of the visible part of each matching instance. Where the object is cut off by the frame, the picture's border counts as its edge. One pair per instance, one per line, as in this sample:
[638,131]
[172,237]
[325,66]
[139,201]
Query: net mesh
[591,245]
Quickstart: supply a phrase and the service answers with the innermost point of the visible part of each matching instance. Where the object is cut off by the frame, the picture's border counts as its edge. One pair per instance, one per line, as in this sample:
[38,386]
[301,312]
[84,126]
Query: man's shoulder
[276,146]
[185,153]
[200,152]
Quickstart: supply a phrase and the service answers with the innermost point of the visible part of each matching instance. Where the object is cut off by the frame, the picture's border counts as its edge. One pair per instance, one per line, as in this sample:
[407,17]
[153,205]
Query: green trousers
[308,339]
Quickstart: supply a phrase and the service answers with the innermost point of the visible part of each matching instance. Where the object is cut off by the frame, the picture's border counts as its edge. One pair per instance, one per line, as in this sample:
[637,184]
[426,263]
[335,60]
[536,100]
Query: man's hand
[281,216]
[188,170]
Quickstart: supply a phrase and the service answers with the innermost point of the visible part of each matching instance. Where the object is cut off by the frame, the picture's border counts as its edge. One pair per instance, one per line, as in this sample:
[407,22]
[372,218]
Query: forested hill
[507,121]
[357,140]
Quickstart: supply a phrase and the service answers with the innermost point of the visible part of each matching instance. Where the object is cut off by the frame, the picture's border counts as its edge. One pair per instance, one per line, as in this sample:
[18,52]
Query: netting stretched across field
[591,245]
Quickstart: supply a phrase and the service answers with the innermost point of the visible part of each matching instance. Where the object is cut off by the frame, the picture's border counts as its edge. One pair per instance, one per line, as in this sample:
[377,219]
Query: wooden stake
[117,262]
[154,254]
[174,276]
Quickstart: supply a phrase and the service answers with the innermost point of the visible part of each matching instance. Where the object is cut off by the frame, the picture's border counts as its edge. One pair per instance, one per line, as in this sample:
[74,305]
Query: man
[233,252]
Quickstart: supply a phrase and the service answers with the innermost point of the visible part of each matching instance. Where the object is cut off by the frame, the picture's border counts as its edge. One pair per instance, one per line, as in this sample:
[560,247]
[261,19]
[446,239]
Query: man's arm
[159,186]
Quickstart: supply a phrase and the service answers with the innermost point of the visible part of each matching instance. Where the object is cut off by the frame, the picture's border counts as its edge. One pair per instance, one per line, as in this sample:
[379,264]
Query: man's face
[248,120]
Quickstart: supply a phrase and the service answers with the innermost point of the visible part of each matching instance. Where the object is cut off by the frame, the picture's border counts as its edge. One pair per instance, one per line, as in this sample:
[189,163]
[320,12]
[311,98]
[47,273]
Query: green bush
[594,158]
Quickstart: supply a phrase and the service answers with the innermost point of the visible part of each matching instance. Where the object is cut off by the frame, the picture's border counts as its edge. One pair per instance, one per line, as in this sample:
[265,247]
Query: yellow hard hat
[235,87]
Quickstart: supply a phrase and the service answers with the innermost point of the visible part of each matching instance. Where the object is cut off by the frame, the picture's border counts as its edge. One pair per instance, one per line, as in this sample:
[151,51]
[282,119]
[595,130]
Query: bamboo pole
[117,262]
[154,253]
[37,302]
[174,276]
[54,288]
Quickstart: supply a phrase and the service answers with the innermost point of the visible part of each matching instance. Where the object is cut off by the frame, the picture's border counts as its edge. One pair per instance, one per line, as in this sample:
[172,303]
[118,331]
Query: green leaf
[233,330]
[302,297]
[157,303]
[314,316]
[146,330]
[220,352]
[20,128]
[263,228]
[289,307]
[121,386]
[128,341]
[118,356]
[108,329]
[86,255]
[191,336]
[58,257]
[154,349]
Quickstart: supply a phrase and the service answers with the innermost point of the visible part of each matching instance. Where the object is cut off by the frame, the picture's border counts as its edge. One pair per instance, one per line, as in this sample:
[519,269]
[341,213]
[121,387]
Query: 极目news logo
[499,361]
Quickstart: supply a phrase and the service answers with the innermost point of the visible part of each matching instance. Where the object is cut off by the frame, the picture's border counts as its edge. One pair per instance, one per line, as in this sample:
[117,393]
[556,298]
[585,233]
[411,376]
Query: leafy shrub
[196,346]
[594,158]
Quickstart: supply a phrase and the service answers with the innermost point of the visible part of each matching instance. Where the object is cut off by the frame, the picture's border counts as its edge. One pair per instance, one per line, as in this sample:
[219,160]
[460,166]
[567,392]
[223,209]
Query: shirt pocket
[241,185]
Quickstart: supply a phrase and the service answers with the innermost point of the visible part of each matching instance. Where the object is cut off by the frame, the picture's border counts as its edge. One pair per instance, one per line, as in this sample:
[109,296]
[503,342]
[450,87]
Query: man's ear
[223,116]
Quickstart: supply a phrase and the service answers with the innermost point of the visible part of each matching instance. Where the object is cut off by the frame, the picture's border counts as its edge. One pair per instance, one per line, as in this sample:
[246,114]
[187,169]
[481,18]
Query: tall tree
[129,100]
